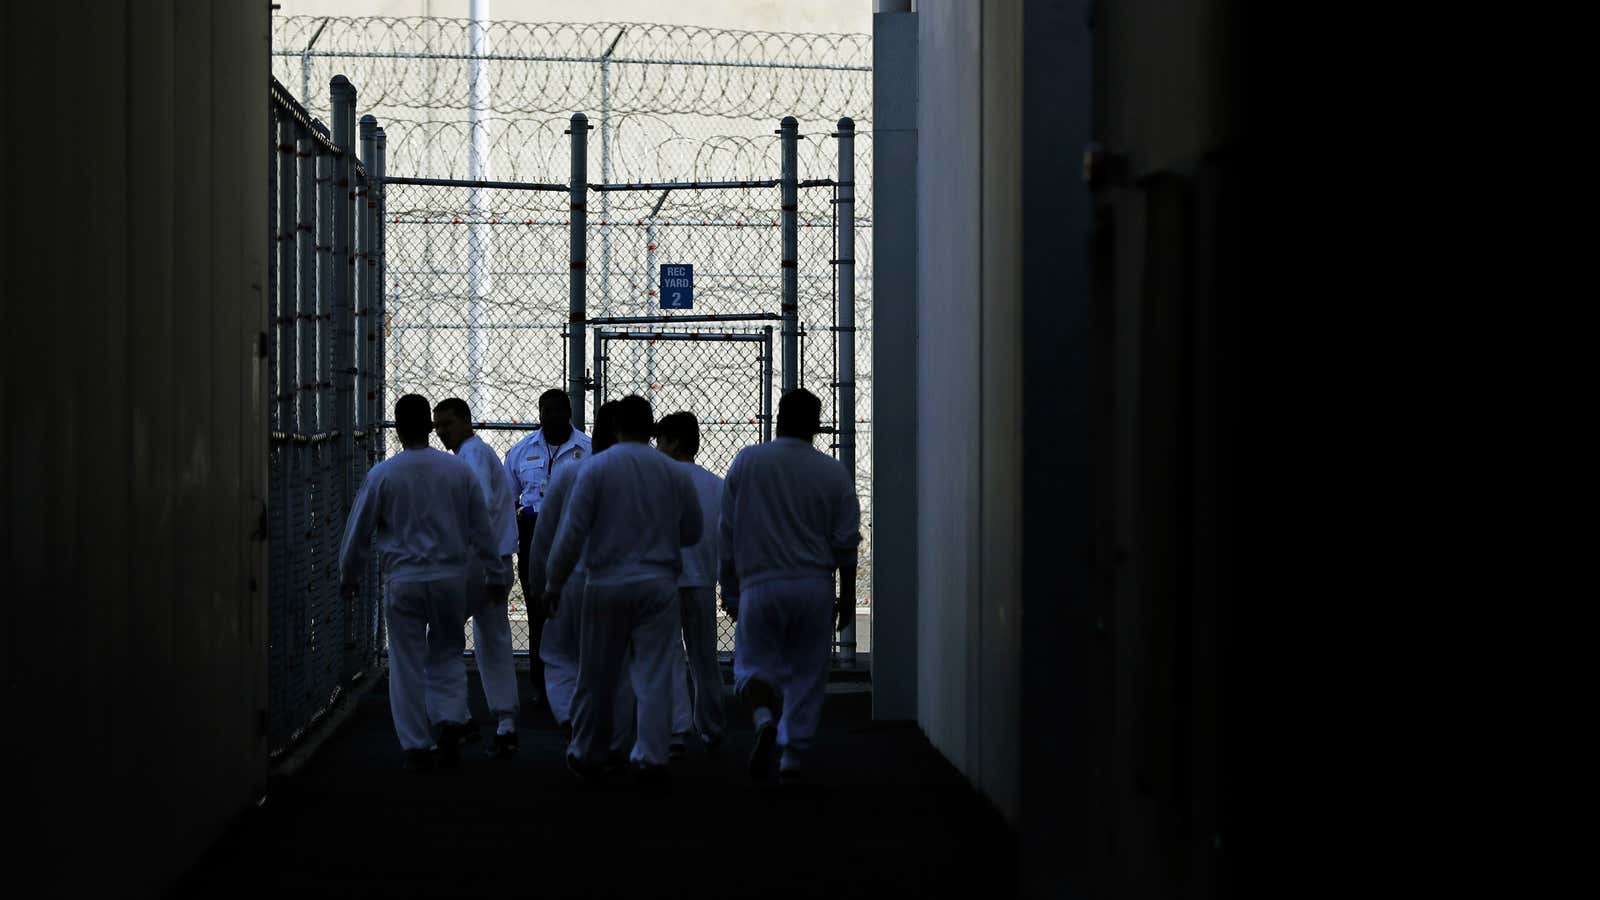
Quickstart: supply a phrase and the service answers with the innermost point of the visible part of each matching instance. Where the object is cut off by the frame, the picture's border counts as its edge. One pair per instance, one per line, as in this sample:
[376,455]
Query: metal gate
[483,306]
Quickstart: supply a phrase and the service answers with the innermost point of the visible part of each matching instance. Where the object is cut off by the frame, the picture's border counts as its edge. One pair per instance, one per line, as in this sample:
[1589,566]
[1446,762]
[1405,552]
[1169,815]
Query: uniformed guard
[532,464]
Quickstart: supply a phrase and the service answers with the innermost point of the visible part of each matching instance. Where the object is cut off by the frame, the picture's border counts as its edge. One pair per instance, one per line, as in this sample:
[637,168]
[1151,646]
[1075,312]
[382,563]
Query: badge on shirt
[534,458]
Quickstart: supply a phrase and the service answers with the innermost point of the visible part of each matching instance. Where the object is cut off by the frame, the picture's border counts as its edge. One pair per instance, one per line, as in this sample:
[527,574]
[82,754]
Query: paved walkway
[884,816]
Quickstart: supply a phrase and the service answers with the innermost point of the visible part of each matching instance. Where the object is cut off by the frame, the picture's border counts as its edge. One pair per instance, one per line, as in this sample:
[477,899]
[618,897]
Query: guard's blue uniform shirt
[532,463]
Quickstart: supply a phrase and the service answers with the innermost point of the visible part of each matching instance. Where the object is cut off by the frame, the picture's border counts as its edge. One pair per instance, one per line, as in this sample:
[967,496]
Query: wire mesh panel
[325,242]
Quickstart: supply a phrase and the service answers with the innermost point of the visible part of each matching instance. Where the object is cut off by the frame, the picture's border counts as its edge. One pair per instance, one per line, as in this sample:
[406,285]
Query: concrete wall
[133,276]
[894,366]
[1074,395]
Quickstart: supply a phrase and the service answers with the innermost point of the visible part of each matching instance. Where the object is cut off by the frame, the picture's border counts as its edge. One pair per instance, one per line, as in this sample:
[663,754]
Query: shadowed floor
[883,815]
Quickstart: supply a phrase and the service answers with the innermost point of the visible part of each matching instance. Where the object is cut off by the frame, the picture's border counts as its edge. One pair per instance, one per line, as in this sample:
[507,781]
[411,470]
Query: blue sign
[677,287]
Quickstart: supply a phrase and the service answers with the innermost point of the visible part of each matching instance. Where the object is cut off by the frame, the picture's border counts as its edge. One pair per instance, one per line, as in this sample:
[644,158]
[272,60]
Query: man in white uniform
[790,517]
[559,645]
[532,463]
[630,514]
[432,528]
[678,436]
[486,596]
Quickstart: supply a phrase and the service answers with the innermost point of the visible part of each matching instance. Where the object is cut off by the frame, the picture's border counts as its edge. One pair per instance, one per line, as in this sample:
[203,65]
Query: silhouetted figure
[630,514]
[488,591]
[559,646]
[678,436]
[532,463]
[790,517]
[432,529]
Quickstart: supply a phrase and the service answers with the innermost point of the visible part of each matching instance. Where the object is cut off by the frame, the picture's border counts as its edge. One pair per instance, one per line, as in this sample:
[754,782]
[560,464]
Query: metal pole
[651,271]
[380,320]
[366,342]
[305,65]
[599,369]
[790,130]
[845,350]
[306,313]
[286,195]
[605,174]
[577,307]
[344,265]
[478,235]
[325,420]
[766,386]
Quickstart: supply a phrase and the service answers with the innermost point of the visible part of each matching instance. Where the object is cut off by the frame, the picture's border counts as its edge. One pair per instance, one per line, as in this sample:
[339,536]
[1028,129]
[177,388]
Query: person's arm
[358,537]
[577,519]
[480,534]
[691,523]
[845,539]
[545,527]
[511,470]
[730,572]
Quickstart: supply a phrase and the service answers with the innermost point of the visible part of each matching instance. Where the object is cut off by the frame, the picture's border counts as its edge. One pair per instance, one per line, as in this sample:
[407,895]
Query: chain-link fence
[325,232]
[478,276]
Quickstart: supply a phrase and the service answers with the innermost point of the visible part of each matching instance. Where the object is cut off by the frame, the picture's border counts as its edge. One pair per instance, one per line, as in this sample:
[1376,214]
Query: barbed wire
[424,63]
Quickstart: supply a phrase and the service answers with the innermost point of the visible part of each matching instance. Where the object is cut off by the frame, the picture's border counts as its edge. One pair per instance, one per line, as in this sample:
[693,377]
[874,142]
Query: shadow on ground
[884,815]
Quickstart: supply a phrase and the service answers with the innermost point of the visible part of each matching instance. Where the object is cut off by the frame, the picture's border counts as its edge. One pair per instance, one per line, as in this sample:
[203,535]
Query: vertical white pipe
[479,250]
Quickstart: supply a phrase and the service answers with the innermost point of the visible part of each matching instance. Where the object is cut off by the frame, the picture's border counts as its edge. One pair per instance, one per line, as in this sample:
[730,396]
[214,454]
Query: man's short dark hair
[555,395]
[455,406]
[683,429]
[605,426]
[412,418]
[635,417]
[799,414]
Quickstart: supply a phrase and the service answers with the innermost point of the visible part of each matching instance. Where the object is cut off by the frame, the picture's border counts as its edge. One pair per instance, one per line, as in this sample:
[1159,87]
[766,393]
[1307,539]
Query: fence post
[766,386]
[790,131]
[344,265]
[577,308]
[844,271]
[322,308]
[366,342]
[378,323]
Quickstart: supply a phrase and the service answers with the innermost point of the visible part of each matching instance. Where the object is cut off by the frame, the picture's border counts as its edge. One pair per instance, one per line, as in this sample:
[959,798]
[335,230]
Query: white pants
[558,650]
[784,637]
[427,674]
[696,680]
[491,643]
[641,618]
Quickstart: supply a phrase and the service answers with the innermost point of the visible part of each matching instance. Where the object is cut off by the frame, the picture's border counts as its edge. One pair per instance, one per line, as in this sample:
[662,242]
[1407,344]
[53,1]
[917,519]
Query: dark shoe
[451,736]
[583,773]
[504,747]
[615,762]
[791,776]
[675,750]
[566,732]
[421,760]
[651,776]
[761,755]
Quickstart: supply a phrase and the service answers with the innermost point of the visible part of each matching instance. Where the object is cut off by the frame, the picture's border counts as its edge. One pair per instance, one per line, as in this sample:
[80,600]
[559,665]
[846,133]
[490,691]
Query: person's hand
[844,611]
[498,594]
[552,601]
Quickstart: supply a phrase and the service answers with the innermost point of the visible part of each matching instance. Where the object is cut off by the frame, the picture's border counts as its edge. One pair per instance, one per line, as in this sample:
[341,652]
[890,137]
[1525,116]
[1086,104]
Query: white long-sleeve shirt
[429,516]
[630,514]
[498,495]
[700,561]
[788,511]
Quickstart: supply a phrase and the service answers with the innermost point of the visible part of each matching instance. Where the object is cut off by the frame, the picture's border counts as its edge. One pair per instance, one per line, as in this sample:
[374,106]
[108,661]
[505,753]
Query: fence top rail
[607,334]
[675,320]
[280,96]
[488,426]
[467,183]
[684,185]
